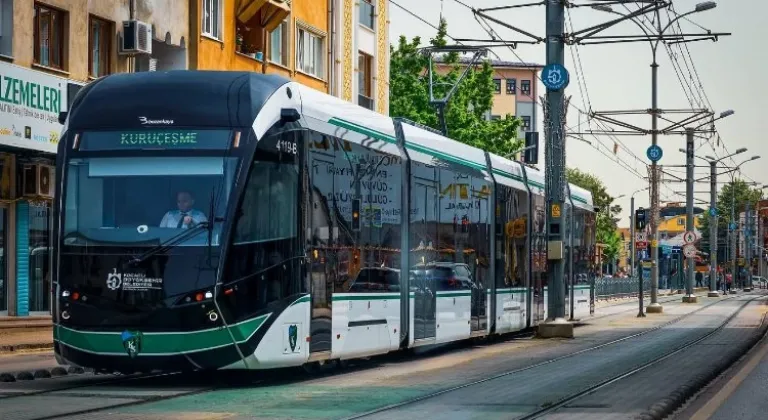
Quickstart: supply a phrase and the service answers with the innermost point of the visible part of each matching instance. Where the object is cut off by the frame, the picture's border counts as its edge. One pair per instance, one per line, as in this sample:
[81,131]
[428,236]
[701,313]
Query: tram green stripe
[453,294]
[159,343]
[373,296]
[430,151]
[304,298]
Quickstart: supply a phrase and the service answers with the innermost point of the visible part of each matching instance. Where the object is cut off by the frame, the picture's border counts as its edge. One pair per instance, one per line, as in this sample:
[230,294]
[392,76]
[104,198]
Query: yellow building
[626,248]
[516,90]
[48,50]
[672,220]
[336,46]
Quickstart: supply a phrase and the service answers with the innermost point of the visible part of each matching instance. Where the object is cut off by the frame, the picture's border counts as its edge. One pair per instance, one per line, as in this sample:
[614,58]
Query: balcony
[365,102]
[269,13]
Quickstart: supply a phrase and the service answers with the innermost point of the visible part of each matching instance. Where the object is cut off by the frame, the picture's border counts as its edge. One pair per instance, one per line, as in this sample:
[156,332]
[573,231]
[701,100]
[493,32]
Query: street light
[654,41]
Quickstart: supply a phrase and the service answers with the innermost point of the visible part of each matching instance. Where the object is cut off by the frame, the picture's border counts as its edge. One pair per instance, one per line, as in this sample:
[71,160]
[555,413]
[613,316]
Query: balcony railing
[366,14]
[365,102]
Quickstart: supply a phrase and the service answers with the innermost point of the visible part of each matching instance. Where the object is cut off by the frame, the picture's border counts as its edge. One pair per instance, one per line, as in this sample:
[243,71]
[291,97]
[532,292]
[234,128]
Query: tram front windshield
[141,200]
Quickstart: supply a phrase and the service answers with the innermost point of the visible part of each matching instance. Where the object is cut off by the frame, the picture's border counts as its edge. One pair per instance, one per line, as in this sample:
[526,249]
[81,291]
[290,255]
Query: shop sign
[30,102]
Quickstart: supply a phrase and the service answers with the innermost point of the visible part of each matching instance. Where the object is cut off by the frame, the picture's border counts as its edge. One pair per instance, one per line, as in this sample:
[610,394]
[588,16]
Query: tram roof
[188,97]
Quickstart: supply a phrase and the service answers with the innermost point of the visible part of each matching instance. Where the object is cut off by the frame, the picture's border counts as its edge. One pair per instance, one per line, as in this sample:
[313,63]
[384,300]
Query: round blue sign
[713,212]
[555,77]
[654,153]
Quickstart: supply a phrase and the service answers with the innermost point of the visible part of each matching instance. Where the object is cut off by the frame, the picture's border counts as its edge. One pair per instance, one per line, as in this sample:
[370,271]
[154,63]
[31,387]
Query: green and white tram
[232,220]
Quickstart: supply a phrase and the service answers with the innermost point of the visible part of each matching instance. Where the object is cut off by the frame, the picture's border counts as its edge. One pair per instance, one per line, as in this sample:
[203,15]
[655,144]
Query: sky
[723,75]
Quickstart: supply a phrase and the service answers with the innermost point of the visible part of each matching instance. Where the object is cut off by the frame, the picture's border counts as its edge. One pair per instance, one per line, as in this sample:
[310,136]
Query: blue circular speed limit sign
[654,153]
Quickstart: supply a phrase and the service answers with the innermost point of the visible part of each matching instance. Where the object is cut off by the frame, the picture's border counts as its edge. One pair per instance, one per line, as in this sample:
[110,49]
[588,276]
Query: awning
[273,12]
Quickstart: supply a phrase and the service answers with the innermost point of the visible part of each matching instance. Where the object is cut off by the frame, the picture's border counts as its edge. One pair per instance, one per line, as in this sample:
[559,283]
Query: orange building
[336,46]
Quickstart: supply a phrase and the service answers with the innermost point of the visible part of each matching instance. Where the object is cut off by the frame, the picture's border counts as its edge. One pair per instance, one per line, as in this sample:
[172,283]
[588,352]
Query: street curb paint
[17,347]
[685,392]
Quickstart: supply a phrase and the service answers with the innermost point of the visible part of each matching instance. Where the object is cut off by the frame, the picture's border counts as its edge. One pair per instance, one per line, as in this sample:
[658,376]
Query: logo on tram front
[147,121]
[132,342]
[114,280]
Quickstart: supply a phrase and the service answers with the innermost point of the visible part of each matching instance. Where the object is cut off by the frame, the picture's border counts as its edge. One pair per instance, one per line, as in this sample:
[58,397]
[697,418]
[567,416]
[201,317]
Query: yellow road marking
[715,402]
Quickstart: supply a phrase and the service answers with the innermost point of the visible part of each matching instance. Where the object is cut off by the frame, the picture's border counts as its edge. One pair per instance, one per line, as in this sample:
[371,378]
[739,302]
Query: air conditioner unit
[137,38]
[38,180]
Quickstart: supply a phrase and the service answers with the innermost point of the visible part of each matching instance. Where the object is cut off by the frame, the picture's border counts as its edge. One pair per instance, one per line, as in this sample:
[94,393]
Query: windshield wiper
[170,243]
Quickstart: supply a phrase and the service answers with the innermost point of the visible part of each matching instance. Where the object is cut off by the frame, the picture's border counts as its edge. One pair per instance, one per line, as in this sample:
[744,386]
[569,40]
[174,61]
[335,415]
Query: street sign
[713,212]
[732,226]
[555,210]
[654,153]
[641,244]
[689,251]
[555,76]
[640,237]
[654,243]
[689,237]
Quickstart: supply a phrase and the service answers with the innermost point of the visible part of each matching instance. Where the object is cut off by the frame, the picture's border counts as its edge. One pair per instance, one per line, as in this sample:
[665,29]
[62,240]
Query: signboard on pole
[689,237]
[654,153]
[689,251]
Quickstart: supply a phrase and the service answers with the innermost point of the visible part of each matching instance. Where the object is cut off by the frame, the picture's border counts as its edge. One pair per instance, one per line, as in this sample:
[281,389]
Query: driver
[185,217]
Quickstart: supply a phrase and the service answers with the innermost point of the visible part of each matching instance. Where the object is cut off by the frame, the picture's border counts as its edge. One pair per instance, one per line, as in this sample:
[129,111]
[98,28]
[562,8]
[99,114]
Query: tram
[234,220]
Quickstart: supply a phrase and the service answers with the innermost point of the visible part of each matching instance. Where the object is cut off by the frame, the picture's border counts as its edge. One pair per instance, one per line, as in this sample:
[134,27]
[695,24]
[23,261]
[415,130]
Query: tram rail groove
[559,358]
[602,384]
[522,334]
[150,399]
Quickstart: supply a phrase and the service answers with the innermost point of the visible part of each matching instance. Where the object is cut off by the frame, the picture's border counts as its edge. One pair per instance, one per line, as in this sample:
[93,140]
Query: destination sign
[155,139]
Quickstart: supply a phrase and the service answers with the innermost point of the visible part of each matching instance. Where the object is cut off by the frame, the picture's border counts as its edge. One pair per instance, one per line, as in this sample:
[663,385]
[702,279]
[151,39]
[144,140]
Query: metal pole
[734,238]
[654,307]
[632,234]
[556,325]
[713,230]
[640,313]
[748,247]
[689,296]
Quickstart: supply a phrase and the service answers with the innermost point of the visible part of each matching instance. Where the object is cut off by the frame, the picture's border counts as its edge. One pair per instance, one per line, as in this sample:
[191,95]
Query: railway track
[553,406]
[95,388]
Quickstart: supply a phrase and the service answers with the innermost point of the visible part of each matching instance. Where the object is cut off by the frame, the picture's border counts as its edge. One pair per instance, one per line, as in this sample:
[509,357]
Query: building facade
[49,49]
[340,47]
[516,91]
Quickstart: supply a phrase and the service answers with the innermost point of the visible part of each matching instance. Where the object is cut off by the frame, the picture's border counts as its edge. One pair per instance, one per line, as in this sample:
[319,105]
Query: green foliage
[733,197]
[409,97]
[606,222]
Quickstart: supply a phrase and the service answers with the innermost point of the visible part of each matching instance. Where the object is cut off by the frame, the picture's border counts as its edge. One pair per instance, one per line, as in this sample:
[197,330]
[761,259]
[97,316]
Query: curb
[17,347]
[682,394]
[30,375]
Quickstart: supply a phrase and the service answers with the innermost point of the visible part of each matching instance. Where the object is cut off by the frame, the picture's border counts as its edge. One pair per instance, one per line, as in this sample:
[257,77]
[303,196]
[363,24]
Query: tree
[409,97]
[732,197]
[606,222]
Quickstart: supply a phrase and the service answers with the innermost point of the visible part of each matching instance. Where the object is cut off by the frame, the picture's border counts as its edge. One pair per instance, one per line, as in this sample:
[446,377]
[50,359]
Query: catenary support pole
[655,306]
[689,297]
[713,230]
[632,235]
[748,235]
[556,324]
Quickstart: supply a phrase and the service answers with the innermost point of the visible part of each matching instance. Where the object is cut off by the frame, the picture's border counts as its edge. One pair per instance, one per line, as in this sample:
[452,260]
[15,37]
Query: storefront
[30,102]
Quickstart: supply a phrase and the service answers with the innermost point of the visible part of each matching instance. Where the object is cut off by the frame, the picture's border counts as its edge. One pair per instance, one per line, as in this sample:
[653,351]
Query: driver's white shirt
[171,219]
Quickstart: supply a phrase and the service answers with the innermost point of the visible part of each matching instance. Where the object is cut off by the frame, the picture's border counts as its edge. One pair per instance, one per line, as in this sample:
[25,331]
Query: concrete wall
[168,18]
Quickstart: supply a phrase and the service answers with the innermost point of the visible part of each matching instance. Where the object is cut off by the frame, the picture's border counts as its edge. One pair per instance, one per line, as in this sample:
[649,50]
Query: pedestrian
[728,282]
[699,278]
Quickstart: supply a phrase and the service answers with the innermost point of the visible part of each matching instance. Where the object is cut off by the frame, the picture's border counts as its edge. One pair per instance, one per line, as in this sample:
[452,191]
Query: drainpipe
[131,16]
[331,38]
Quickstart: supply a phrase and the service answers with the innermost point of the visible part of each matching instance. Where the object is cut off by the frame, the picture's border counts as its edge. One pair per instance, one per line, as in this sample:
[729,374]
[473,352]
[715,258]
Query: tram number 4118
[286,146]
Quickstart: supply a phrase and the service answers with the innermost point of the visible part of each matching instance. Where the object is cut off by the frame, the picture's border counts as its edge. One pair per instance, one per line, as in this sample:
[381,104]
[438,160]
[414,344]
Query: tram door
[425,277]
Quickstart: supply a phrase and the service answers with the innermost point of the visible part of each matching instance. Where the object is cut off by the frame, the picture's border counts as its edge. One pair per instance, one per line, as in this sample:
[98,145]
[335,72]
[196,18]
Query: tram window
[269,204]
[107,199]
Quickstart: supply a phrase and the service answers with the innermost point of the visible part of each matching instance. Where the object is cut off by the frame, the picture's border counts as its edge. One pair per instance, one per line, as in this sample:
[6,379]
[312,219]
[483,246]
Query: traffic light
[356,214]
[531,154]
[640,219]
